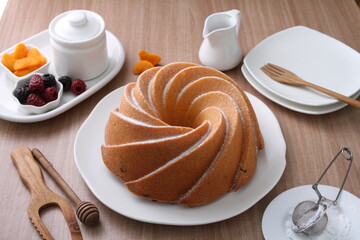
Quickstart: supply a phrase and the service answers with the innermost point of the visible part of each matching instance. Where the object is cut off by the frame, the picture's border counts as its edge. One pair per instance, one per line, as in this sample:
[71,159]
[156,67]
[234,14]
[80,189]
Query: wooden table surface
[173,29]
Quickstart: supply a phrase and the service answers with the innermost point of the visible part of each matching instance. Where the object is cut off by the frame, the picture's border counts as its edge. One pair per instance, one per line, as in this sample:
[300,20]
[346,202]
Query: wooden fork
[283,75]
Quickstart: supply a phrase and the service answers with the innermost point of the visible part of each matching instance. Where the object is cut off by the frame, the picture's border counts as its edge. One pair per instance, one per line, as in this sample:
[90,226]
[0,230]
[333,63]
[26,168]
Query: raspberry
[49,94]
[36,84]
[66,82]
[78,86]
[22,94]
[35,99]
[49,80]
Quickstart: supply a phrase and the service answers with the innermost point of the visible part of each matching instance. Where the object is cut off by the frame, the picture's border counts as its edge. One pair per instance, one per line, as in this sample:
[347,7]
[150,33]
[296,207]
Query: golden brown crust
[183,133]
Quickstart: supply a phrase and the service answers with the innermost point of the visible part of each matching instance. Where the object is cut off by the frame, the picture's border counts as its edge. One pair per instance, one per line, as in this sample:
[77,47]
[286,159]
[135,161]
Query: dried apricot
[28,62]
[142,66]
[20,51]
[23,61]
[33,52]
[153,58]
[9,60]
[25,71]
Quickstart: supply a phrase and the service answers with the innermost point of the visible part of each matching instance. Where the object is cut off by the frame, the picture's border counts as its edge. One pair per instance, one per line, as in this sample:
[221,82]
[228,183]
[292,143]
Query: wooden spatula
[41,196]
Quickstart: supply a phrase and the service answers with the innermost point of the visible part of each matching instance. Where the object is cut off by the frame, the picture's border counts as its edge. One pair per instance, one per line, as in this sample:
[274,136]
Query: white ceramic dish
[43,69]
[78,41]
[277,213]
[111,191]
[314,110]
[315,57]
[34,109]
[8,107]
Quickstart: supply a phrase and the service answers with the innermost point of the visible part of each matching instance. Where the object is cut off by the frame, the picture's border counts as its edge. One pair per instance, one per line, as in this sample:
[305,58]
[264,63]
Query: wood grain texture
[173,29]
[41,196]
[86,212]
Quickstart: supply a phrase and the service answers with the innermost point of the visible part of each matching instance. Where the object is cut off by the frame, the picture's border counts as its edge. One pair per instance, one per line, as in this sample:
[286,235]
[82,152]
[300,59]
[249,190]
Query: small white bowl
[43,69]
[34,109]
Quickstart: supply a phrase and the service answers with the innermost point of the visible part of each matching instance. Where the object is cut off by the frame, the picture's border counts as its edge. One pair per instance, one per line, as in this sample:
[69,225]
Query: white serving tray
[10,111]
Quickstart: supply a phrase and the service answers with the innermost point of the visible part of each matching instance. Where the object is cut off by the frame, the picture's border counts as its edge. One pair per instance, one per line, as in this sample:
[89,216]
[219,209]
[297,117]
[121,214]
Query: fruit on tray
[78,86]
[41,89]
[9,61]
[20,51]
[35,99]
[66,82]
[23,60]
[49,94]
[36,84]
[35,92]
[49,80]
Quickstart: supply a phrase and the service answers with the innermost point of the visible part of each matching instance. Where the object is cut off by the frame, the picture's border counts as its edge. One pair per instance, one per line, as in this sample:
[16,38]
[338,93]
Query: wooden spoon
[86,212]
[41,196]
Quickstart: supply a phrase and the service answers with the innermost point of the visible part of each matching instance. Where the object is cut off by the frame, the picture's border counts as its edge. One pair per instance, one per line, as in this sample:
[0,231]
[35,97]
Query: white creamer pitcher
[220,48]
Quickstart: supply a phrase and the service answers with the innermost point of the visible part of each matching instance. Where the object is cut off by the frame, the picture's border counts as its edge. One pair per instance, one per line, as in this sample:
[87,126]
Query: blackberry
[27,84]
[78,86]
[22,94]
[49,80]
[66,82]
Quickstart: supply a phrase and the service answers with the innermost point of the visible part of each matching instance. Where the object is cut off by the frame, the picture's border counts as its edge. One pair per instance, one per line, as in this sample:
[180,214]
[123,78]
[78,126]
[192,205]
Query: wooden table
[173,29]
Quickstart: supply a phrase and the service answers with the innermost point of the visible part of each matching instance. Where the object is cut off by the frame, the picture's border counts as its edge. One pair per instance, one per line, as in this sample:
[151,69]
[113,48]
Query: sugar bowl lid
[76,26]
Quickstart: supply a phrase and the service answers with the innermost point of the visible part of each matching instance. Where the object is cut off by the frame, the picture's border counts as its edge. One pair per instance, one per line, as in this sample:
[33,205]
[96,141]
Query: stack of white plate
[313,56]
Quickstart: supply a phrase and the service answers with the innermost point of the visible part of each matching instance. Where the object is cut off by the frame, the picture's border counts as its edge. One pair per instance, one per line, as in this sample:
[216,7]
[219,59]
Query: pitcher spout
[222,21]
[220,48]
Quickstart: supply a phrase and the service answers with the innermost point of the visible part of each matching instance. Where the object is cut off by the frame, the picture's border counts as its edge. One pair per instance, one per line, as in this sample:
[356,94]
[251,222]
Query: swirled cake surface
[183,133]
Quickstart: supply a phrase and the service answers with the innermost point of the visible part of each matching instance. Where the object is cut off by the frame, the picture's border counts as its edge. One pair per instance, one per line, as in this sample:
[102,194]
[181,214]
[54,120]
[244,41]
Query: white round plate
[111,191]
[9,109]
[313,56]
[314,110]
[277,214]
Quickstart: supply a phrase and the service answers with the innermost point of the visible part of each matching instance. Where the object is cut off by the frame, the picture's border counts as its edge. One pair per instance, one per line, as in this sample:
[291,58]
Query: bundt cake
[184,134]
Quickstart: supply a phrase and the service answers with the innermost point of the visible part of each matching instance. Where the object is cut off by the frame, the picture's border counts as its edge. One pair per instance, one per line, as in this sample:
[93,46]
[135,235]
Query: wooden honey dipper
[86,212]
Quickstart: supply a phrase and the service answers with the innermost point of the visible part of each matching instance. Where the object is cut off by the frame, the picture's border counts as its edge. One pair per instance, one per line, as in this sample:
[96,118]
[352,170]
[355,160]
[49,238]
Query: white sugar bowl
[78,42]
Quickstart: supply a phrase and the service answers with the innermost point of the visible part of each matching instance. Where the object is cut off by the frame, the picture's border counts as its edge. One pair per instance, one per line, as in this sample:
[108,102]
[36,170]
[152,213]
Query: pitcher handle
[236,14]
